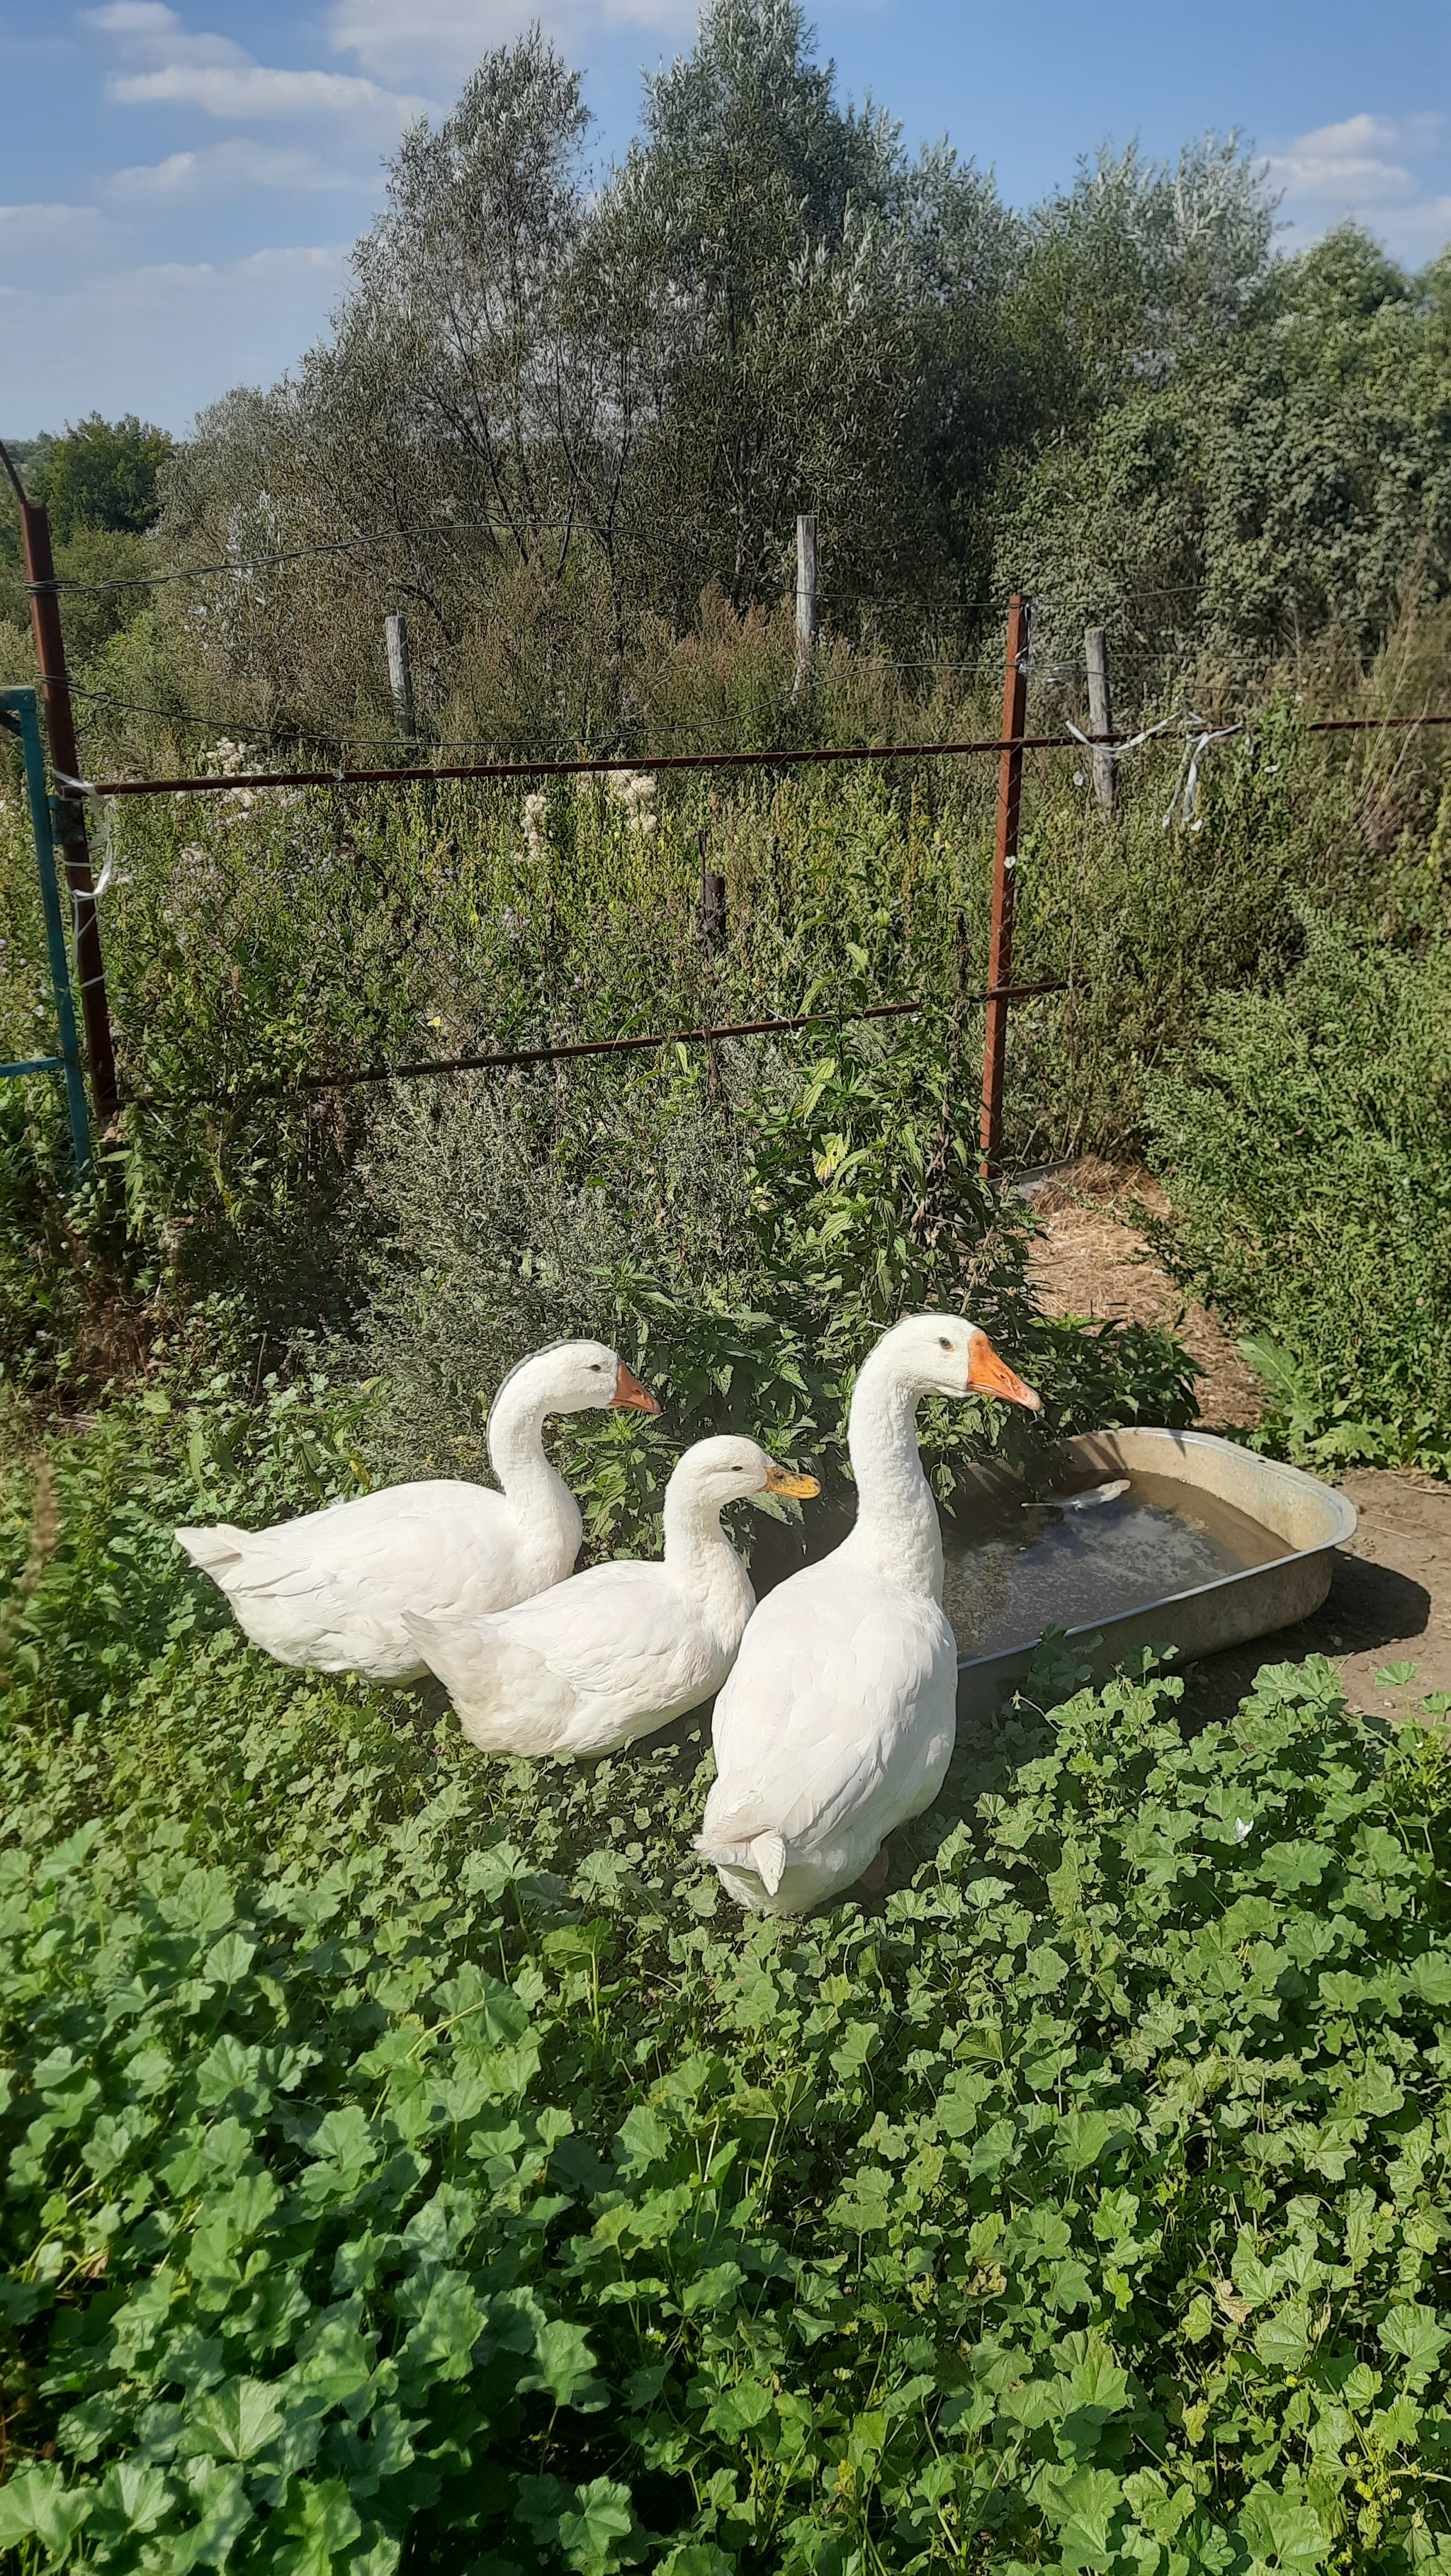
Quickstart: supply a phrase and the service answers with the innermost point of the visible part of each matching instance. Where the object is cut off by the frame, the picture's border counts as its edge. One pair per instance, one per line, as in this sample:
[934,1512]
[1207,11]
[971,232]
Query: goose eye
[943,1343]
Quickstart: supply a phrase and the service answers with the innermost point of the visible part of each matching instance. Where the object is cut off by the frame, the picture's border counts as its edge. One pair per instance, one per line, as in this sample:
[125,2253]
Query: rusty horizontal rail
[782,758]
[512,1058]
[498,769]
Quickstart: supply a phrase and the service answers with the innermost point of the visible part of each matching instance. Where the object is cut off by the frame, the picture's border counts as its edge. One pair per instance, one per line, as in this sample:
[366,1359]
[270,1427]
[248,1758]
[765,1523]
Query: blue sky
[181,179]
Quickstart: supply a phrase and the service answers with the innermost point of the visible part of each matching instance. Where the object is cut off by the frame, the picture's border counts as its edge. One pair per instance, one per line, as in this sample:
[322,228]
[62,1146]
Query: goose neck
[897,1530]
[701,1561]
[516,1454]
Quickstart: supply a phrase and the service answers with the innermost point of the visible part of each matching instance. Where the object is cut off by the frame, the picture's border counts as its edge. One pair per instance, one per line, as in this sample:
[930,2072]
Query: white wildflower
[635,790]
[228,759]
[536,808]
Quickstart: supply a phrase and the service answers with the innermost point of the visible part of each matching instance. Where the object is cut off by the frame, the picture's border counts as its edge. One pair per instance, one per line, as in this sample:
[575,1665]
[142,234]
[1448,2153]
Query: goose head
[568,1377]
[728,1470]
[946,1355]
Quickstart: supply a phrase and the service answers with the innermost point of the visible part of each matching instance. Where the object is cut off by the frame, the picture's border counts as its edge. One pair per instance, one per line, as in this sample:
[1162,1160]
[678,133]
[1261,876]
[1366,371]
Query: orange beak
[631,1394]
[991,1376]
[784,1480]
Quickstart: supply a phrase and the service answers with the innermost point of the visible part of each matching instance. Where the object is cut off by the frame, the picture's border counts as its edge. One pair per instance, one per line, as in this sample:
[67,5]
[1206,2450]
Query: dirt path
[1390,1597]
[1092,1260]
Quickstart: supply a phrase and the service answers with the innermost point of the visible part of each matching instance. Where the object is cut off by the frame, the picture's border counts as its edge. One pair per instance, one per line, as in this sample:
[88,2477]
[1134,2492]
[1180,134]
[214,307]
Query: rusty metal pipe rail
[509,1059]
[779,759]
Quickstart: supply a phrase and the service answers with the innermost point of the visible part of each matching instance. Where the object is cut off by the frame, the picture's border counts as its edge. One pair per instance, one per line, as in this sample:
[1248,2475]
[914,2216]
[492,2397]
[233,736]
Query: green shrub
[1305,1148]
[742,1230]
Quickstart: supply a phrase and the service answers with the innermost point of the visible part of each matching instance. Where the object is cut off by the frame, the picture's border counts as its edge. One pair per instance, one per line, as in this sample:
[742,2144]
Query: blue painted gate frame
[20,715]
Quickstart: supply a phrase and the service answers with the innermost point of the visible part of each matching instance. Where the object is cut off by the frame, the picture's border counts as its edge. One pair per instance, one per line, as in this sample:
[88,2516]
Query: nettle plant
[412,2160]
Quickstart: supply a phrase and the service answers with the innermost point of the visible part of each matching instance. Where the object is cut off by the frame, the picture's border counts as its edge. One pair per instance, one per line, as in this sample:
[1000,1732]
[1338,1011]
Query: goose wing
[408,1542]
[616,1629]
[617,1641]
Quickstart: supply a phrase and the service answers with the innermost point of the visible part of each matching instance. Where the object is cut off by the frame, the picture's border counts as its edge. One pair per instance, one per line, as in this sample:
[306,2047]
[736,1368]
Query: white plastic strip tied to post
[1135,739]
[101,804]
[1185,800]
[102,807]
[1116,750]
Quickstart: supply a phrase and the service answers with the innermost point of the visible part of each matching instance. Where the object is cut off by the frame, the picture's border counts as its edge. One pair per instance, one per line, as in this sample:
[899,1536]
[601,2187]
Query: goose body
[330,1591]
[837,1723]
[620,1649]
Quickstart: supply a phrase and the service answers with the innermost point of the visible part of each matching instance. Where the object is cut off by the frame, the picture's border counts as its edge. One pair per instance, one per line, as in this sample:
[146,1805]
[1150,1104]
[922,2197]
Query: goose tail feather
[764,1853]
[218,1551]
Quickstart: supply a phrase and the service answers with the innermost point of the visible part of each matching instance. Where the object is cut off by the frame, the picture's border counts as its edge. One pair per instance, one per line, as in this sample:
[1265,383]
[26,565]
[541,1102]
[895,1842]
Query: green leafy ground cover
[414,2161]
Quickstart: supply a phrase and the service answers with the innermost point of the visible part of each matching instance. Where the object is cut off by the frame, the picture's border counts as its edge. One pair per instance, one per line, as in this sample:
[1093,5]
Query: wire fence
[1008,746]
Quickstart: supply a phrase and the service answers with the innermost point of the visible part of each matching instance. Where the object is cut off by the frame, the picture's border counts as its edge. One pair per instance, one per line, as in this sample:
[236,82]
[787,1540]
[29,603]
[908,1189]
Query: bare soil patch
[1091,1259]
[1390,1596]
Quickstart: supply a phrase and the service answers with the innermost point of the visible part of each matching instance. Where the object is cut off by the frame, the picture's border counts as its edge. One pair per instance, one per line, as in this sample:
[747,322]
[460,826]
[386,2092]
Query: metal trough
[1310,1518]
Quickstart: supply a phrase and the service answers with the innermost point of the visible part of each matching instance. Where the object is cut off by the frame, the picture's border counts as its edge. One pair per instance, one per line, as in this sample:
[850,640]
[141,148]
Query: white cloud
[26,227]
[165,339]
[1389,173]
[247,89]
[149,27]
[449,36]
[171,65]
[231,169]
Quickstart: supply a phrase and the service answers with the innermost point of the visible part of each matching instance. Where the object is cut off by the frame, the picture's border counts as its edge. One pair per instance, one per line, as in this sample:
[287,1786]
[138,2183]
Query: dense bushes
[1305,1147]
[742,1231]
[253,940]
[412,2154]
[601,400]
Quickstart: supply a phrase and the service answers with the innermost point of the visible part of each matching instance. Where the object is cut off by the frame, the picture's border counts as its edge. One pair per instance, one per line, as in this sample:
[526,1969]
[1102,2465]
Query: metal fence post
[714,919]
[20,710]
[60,725]
[1005,863]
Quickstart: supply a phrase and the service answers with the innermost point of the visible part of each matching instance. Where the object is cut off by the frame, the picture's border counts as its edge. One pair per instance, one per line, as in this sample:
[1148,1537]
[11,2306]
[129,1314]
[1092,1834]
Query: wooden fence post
[806,583]
[400,676]
[1005,862]
[1100,717]
[714,922]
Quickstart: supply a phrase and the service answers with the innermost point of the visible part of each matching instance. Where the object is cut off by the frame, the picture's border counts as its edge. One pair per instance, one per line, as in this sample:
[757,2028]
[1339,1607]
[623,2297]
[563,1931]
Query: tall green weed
[1304,1145]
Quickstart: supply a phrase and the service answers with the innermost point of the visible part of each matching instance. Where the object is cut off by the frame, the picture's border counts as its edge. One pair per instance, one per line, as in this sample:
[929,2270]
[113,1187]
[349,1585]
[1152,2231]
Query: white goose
[330,1591]
[622,1648]
[837,1723]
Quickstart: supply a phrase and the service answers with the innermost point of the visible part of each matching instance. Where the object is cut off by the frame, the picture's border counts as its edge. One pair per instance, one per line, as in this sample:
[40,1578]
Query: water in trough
[1075,1559]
